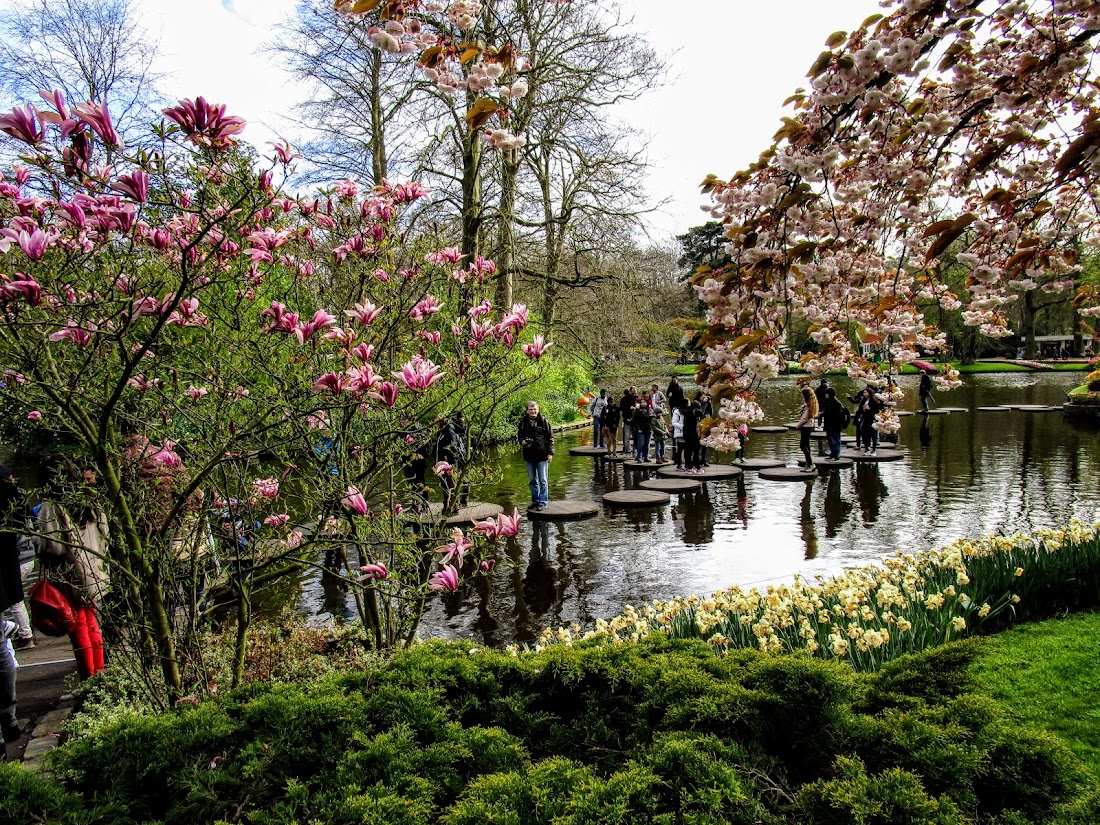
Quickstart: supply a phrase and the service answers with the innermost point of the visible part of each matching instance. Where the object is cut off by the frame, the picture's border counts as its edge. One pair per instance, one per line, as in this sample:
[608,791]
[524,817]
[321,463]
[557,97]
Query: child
[610,421]
[677,431]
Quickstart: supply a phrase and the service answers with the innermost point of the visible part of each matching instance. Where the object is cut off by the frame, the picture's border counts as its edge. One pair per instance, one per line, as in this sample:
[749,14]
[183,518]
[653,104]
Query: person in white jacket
[676,430]
[595,409]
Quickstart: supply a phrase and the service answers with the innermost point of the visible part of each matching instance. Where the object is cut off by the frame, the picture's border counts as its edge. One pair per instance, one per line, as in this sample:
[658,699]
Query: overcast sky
[732,63]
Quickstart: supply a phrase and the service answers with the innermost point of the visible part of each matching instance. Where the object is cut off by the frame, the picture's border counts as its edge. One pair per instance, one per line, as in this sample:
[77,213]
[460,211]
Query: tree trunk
[379,164]
[471,193]
[506,259]
[1027,326]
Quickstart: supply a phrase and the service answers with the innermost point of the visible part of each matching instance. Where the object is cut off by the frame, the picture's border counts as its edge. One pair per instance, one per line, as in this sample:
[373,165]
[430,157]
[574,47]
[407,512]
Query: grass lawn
[1048,675]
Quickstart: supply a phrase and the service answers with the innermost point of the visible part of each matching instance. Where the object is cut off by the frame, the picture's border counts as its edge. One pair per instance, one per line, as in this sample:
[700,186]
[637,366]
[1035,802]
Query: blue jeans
[597,437]
[538,474]
[641,445]
[834,443]
[9,727]
[658,446]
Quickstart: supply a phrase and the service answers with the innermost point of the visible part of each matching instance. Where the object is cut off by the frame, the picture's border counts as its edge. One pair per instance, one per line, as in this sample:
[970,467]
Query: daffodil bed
[873,614]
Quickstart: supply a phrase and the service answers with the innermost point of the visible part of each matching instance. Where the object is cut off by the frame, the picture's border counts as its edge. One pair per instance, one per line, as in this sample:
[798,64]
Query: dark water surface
[965,474]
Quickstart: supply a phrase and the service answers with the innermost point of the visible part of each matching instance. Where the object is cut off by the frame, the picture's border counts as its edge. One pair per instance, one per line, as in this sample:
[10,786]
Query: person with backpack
[819,393]
[537,439]
[595,409]
[660,433]
[836,418]
[71,552]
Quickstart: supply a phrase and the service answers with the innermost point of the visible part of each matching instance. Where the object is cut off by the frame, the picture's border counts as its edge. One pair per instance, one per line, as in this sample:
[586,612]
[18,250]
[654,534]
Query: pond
[964,474]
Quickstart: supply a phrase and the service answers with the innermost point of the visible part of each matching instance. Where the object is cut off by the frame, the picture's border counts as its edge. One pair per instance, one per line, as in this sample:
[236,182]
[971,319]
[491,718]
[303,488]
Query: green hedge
[657,732]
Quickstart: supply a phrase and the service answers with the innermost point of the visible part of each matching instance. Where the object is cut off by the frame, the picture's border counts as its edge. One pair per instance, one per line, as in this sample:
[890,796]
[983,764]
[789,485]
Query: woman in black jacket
[11,592]
[867,408]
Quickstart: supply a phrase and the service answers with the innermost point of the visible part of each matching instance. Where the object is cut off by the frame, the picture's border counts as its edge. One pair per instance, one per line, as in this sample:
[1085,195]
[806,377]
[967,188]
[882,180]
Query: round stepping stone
[955,409]
[995,409]
[787,474]
[937,411]
[614,458]
[769,428]
[592,451]
[903,413]
[792,425]
[847,439]
[714,471]
[1033,408]
[472,512]
[631,464]
[818,435]
[637,498]
[839,464]
[672,485]
[565,510]
[760,463]
[877,458]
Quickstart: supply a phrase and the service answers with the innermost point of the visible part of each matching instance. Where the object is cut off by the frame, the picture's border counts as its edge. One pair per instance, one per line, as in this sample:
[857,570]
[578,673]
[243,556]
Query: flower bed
[873,614]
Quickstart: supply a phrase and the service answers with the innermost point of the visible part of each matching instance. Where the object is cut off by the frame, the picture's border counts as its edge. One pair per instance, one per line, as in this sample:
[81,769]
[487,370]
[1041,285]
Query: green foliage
[657,732]
[26,797]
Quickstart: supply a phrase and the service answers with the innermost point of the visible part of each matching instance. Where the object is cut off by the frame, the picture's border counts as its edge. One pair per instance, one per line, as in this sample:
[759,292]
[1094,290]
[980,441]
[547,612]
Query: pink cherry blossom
[266,488]
[34,415]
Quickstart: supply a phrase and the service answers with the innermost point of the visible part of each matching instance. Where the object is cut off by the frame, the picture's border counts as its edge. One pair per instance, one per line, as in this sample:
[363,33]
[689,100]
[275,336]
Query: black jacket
[536,437]
[610,417]
[675,394]
[11,511]
[642,419]
[693,415]
[834,414]
[925,385]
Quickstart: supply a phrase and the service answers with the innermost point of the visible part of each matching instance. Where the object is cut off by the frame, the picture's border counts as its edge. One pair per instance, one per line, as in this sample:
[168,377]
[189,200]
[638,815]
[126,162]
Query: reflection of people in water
[742,503]
[870,489]
[925,433]
[806,520]
[698,515]
[539,585]
[837,509]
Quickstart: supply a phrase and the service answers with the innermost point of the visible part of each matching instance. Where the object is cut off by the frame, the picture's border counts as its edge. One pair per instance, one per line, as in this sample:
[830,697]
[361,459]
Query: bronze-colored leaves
[483,109]
[948,232]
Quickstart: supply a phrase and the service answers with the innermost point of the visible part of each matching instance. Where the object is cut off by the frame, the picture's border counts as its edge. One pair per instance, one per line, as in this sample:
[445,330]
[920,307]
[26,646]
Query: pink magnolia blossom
[442,467]
[283,152]
[332,382]
[135,185]
[281,319]
[363,379]
[354,501]
[456,549]
[419,373]
[195,393]
[321,320]
[21,286]
[425,308]
[266,488]
[143,383]
[374,572]
[364,313]
[488,564]
[277,520]
[409,192]
[445,256]
[22,125]
[145,306]
[445,579]
[364,352]
[503,527]
[481,310]
[98,117]
[536,349]
[294,539]
[386,392]
[80,337]
[205,124]
[34,415]
[165,457]
[433,337]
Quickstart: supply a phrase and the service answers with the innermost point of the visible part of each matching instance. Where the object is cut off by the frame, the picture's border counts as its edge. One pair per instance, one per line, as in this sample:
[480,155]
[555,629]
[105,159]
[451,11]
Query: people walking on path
[868,409]
[596,410]
[642,424]
[925,390]
[693,415]
[660,433]
[677,400]
[676,429]
[72,548]
[12,508]
[806,422]
[658,402]
[610,428]
[835,418]
[537,439]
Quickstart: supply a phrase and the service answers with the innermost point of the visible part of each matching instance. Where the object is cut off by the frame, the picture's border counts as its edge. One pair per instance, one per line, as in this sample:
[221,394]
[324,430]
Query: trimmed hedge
[661,731]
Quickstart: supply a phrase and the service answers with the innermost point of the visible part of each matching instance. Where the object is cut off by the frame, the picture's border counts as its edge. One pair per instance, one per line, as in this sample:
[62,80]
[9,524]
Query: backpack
[845,417]
[51,612]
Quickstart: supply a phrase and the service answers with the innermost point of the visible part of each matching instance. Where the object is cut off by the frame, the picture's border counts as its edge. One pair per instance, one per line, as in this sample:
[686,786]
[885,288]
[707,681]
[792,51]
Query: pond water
[965,474]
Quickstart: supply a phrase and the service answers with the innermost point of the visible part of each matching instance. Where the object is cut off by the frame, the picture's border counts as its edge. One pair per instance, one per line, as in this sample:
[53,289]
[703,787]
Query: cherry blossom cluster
[938,139]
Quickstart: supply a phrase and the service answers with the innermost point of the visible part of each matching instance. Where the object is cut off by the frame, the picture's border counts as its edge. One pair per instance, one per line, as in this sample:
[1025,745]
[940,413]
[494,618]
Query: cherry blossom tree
[250,373]
[939,127]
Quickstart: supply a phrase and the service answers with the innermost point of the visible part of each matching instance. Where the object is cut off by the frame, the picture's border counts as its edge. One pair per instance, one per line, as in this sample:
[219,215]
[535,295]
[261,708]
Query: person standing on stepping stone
[925,390]
[610,419]
[806,426]
[835,417]
[676,398]
[537,439]
[676,428]
[642,422]
[626,410]
[693,450]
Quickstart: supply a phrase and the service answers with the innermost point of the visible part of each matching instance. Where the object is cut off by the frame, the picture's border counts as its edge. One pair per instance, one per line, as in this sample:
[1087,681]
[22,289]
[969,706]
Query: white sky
[732,64]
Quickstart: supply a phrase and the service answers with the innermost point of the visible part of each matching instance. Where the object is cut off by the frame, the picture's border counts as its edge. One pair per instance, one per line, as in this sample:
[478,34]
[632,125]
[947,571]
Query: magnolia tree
[945,130]
[253,376]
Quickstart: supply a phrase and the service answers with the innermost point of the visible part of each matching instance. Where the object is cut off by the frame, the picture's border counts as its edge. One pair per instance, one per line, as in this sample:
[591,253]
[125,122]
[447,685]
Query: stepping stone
[847,439]
[614,458]
[787,474]
[714,471]
[818,435]
[631,464]
[637,498]
[760,463]
[880,457]
[792,425]
[769,429]
[995,409]
[955,409]
[565,510]
[591,451]
[1034,408]
[839,464]
[672,485]
[903,413]
[937,411]
[472,512]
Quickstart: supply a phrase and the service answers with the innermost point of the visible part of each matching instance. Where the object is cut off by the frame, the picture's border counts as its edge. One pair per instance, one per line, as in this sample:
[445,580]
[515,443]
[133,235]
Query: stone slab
[636,498]
[879,457]
[672,485]
[903,413]
[39,747]
[848,439]
[1034,408]
[936,411]
[839,464]
[564,510]
[714,471]
[793,425]
[769,429]
[818,435]
[473,512]
[995,409]
[588,450]
[759,463]
[631,464]
[52,722]
[787,474]
[614,458]
[955,409]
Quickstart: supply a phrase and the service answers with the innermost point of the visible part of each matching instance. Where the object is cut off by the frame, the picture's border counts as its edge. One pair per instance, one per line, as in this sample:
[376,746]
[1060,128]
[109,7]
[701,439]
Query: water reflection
[870,490]
[837,508]
[925,432]
[539,586]
[697,515]
[806,520]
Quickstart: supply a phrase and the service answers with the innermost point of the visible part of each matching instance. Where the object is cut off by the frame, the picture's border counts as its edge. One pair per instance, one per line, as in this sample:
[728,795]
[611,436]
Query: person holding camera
[537,439]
